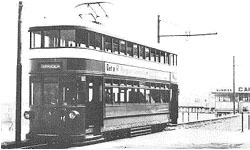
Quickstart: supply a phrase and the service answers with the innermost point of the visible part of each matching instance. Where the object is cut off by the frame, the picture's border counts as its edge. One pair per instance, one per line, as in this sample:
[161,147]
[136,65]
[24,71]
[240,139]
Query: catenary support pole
[158,28]
[233,84]
[18,79]
[242,123]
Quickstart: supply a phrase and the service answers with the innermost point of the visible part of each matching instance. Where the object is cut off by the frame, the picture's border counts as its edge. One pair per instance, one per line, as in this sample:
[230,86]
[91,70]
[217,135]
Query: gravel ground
[224,134]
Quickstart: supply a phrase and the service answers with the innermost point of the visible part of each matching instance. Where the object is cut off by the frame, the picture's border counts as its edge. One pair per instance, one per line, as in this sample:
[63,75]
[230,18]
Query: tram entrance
[94,105]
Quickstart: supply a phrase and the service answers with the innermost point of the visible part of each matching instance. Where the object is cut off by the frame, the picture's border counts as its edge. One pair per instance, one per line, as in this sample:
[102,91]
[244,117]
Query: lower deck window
[132,92]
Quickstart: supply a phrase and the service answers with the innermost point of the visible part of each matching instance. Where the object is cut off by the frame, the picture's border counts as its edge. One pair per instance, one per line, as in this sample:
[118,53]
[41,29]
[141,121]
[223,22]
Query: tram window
[35,93]
[122,95]
[147,96]
[51,38]
[123,83]
[152,54]
[170,59]
[108,96]
[108,82]
[107,44]
[122,47]
[152,85]
[98,41]
[115,95]
[115,45]
[67,38]
[90,88]
[36,39]
[167,96]
[116,82]
[128,95]
[158,56]
[141,96]
[167,58]
[81,88]
[130,83]
[69,93]
[147,54]
[173,59]
[51,91]
[162,59]
[91,39]
[129,49]
[136,84]
[158,86]
[132,98]
[82,38]
[135,50]
[156,96]
[142,52]
[162,86]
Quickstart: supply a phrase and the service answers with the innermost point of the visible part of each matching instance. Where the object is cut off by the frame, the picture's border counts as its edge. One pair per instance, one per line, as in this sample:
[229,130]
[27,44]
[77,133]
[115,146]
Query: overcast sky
[205,63]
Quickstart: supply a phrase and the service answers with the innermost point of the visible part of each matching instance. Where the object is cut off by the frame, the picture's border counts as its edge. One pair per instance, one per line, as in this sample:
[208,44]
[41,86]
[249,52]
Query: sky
[204,62]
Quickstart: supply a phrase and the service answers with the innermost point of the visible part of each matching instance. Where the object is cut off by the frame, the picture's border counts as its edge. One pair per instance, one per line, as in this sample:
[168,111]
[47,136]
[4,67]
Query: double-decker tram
[86,82]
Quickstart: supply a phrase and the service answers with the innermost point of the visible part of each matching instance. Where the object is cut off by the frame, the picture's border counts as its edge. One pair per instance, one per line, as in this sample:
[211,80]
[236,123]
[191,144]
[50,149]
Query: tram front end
[56,110]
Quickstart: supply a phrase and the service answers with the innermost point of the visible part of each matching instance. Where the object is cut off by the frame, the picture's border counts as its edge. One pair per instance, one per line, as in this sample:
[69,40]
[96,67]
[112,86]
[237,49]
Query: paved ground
[221,135]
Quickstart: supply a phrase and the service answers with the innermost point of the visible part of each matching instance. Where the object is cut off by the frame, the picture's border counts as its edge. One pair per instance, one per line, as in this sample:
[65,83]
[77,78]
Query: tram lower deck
[74,97]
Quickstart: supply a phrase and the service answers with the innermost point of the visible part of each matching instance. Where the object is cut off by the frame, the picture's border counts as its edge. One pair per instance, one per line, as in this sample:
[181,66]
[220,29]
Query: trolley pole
[233,84]
[18,79]
[158,28]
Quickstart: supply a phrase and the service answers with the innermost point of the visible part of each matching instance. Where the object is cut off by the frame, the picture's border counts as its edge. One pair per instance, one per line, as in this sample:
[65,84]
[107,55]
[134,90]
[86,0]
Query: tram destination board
[50,66]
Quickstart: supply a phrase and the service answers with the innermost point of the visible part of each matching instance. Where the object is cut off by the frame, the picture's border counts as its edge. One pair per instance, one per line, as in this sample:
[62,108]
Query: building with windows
[224,100]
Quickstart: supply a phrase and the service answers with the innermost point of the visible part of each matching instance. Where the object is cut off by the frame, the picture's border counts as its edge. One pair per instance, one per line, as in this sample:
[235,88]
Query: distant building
[224,100]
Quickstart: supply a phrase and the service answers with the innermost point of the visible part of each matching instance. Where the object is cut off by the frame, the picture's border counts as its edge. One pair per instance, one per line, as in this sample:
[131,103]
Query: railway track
[98,139]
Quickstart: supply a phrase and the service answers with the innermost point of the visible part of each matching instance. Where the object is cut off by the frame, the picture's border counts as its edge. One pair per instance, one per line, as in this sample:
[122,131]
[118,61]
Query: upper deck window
[135,50]
[142,52]
[67,38]
[129,49]
[51,38]
[36,39]
[122,47]
[83,38]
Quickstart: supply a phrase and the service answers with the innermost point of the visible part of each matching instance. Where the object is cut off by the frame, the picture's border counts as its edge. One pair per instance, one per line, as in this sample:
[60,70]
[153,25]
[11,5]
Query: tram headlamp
[73,114]
[28,114]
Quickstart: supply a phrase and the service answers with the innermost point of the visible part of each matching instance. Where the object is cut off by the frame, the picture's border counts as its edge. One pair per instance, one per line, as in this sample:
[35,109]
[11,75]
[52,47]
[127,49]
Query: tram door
[94,105]
[174,104]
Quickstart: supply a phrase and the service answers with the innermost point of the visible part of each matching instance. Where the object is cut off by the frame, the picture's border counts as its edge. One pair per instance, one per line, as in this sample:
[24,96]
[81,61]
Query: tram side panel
[128,115]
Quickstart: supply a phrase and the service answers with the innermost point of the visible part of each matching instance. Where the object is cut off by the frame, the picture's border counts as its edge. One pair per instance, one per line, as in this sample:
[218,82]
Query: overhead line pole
[234,84]
[158,29]
[18,79]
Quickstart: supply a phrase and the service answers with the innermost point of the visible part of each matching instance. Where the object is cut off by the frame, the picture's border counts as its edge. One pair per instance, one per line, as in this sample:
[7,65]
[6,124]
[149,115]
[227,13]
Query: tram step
[139,134]
[172,125]
[140,131]
[93,137]
[89,141]
[140,128]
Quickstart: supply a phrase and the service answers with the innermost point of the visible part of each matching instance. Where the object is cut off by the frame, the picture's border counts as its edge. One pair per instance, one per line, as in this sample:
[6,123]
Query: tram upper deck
[82,42]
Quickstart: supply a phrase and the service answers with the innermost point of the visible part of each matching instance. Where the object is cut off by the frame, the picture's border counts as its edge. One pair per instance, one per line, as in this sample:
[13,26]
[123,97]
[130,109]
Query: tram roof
[101,31]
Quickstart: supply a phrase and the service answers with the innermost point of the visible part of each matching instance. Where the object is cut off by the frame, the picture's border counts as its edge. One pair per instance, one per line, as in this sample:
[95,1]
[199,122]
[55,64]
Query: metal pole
[182,117]
[233,84]
[158,29]
[248,122]
[18,79]
[242,127]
